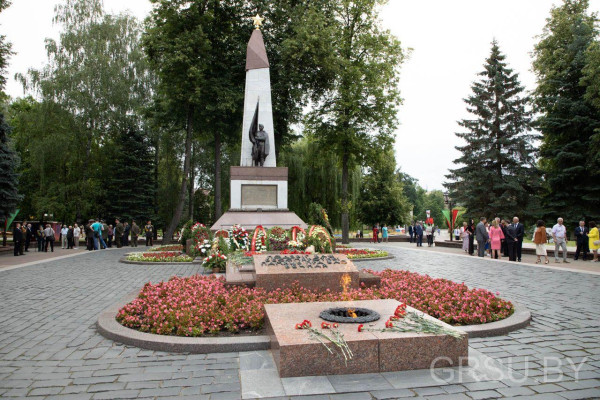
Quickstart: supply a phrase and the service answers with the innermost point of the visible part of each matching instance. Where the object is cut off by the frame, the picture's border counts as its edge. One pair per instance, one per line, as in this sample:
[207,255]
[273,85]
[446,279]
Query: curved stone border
[520,319]
[124,260]
[388,257]
[109,327]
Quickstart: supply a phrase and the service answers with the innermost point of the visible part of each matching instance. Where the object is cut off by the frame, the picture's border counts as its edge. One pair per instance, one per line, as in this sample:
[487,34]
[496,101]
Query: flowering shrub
[167,247]
[361,253]
[200,305]
[160,256]
[215,260]
[238,238]
[278,239]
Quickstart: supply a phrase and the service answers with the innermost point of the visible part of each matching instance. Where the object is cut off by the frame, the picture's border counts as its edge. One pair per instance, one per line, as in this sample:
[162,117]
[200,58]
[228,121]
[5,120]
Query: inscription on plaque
[259,195]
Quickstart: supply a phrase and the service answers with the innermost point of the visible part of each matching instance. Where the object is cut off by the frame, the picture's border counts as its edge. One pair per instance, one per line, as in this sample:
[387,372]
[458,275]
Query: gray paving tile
[307,385]
[359,382]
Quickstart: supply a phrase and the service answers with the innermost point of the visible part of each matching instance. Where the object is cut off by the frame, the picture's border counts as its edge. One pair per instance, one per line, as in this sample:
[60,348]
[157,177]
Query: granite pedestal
[296,354]
[314,271]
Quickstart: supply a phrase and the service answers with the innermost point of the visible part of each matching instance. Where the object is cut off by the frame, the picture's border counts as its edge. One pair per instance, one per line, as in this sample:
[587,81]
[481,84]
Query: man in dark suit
[28,236]
[17,240]
[419,234]
[520,231]
[583,243]
[410,232]
[510,236]
[481,236]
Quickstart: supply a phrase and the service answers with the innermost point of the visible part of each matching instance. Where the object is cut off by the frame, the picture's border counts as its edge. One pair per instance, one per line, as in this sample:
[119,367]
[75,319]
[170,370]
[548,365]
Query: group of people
[97,234]
[416,232]
[100,235]
[376,231]
[503,238]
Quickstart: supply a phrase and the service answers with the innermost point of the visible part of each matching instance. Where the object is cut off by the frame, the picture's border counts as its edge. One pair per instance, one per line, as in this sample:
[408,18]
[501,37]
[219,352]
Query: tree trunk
[186,172]
[345,216]
[218,210]
[156,161]
[191,193]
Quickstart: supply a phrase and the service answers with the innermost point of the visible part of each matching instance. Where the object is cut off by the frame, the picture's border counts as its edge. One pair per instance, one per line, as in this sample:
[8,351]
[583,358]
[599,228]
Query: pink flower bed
[200,305]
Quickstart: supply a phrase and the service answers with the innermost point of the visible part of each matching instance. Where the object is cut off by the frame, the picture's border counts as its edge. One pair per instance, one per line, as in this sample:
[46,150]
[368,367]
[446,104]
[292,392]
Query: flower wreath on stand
[238,238]
[204,248]
[298,234]
[259,239]
[319,237]
[278,239]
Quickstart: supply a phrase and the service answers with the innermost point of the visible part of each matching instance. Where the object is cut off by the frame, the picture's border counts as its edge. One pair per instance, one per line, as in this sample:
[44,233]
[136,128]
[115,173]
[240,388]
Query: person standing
[119,229]
[104,234]
[39,237]
[419,234]
[471,229]
[49,237]
[111,235]
[63,236]
[384,233]
[28,236]
[17,239]
[511,240]
[496,237]
[135,232]
[594,240]
[540,238]
[457,233]
[126,230]
[504,246]
[559,234]
[89,235]
[70,237]
[520,231]
[428,233]
[76,235]
[581,235]
[375,233]
[464,235]
[410,233]
[481,236]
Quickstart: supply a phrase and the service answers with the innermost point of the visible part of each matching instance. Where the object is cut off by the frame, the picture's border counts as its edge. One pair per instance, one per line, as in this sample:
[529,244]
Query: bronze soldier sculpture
[260,141]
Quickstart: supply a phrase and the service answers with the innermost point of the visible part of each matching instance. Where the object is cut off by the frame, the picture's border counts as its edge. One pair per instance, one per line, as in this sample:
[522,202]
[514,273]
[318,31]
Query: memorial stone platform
[296,354]
[312,271]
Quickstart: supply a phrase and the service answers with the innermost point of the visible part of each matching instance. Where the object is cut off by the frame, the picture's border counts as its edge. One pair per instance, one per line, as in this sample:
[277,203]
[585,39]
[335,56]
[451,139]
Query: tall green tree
[9,178]
[97,72]
[192,47]
[497,174]
[314,178]
[5,53]
[355,115]
[382,199]
[565,62]
[130,186]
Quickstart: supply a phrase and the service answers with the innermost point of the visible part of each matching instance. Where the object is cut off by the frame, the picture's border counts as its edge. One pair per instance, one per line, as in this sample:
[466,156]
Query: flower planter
[216,270]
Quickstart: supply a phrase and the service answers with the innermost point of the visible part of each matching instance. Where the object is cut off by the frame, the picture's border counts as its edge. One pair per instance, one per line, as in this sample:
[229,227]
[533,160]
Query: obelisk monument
[257,93]
[258,188]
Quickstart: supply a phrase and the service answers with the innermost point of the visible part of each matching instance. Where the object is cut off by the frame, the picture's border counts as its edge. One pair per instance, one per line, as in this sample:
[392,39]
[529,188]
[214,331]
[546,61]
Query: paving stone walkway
[49,347]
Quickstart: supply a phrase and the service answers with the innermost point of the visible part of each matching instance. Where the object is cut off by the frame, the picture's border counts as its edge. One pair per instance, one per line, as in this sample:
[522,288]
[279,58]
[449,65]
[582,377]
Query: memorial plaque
[259,195]
[312,271]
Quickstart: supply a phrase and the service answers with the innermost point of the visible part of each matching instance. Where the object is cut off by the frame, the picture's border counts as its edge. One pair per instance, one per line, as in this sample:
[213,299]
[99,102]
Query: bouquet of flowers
[204,247]
[238,238]
[215,260]
[295,245]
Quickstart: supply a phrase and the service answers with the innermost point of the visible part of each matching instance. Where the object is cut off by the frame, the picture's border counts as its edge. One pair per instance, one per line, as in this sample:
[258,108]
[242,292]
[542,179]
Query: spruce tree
[497,174]
[569,122]
[9,178]
[131,188]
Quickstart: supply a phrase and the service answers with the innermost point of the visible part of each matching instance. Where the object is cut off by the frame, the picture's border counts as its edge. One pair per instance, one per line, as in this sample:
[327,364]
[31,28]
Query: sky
[449,42]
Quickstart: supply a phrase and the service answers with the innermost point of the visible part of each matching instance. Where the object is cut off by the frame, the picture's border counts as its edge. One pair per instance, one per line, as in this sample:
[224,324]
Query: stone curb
[372,259]
[124,260]
[520,319]
[108,327]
